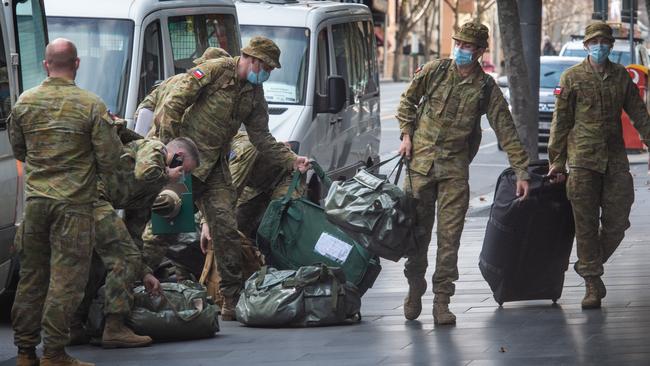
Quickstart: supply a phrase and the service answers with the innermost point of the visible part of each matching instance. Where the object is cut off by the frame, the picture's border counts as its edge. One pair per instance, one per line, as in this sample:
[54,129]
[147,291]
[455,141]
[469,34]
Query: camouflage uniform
[587,134]
[208,104]
[65,136]
[441,137]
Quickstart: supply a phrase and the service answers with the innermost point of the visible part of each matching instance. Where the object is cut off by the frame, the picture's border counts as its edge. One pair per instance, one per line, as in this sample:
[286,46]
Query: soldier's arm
[17,138]
[563,121]
[500,120]
[257,127]
[150,166]
[106,144]
[636,109]
[411,97]
[149,102]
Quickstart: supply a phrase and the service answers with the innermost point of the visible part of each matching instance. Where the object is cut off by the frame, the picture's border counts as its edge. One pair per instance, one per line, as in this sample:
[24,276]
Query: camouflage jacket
[65,137]
[208,104]
[449,116]
[139,177]
[586,128]
[153,99]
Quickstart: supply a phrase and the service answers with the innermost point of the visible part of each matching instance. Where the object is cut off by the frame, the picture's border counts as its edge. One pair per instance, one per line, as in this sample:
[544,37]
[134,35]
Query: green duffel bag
[182,312]
[294,232]
[375,212]
[311,296]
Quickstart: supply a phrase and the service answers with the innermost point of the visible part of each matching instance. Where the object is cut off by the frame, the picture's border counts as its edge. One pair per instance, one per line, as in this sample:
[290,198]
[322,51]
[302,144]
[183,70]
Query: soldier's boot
[27,357]
[602,290]
[441,313]
[118,335]
[78,334]
[58,357]
[228,309]
[592,293]
[413,300]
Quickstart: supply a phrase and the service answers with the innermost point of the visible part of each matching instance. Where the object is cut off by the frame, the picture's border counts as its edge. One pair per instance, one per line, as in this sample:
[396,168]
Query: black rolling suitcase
[527,243]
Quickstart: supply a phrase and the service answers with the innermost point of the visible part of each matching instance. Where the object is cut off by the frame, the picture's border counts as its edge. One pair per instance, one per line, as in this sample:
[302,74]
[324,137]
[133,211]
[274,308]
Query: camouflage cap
[167,204]
[598,29]
[473,32]
[211,53]
[264,49]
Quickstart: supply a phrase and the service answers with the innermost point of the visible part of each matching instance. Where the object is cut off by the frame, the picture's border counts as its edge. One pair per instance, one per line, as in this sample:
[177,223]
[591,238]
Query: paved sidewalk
[523,333]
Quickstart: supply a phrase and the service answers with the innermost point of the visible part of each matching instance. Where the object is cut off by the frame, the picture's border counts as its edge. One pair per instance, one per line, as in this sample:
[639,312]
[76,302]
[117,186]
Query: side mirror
[334,99]
[502,81]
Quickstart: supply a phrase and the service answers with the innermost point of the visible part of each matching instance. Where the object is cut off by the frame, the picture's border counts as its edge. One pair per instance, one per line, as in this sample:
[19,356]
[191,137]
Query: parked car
[550,70]
[325,98]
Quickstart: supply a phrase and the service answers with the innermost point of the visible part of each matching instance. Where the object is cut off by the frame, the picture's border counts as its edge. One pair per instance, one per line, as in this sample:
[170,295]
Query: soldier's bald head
[61,56]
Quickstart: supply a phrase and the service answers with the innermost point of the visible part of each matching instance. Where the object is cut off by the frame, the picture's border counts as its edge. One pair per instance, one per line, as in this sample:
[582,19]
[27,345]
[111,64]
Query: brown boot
[441,313]
[602,290]
[118,335]
[228,309]
[593,293]
[413,300]
[58,357]
[27,357]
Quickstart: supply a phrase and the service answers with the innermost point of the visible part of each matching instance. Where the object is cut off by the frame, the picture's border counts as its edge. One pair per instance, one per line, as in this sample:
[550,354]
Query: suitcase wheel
[500,303]
[555,301]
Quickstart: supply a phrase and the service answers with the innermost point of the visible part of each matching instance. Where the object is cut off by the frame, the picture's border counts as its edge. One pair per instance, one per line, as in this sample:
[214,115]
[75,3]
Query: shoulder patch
[418,69]
[198,74]
[557,90]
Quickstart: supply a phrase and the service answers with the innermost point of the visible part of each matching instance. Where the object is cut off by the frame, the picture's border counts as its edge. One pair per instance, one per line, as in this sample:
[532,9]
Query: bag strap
[295,180]
[261,274]
[437,77]
[191,317]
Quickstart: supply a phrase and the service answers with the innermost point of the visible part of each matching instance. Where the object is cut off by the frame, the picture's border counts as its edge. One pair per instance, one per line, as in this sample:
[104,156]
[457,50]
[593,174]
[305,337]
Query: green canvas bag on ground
[310,296]
[294,232]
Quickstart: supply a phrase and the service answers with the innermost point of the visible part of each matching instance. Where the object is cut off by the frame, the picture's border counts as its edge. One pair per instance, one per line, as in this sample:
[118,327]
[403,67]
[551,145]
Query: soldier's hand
[522,189]
[151,284]
[174,174]
[557,174]
[301,164]
[205,238]
[406,146]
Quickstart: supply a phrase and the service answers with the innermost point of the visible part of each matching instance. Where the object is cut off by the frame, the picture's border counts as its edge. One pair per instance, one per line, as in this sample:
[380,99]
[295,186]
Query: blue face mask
[462,57]
[599,52]
[257,78]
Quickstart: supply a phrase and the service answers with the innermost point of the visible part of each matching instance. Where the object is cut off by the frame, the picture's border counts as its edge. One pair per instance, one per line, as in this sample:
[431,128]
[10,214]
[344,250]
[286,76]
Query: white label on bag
[333,248]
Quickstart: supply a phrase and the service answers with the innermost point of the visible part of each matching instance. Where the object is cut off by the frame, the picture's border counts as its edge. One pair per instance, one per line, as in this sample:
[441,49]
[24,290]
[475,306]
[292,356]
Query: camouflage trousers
[120,256]
[451,195]
[216,198]
[601,208]
[54,246]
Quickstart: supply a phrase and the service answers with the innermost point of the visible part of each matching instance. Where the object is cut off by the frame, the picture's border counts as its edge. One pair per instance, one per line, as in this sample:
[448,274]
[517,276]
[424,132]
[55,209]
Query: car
[550,70]
[620,53]
[325,99]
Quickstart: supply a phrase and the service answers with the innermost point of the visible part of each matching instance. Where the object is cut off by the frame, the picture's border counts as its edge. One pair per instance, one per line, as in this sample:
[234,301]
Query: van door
[324,129]
[357,131]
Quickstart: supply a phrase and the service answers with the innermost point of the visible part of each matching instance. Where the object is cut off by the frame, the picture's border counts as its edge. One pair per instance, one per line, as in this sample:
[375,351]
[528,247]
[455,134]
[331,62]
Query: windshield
[287,84]
[549,73]
[619,57]
[104,48]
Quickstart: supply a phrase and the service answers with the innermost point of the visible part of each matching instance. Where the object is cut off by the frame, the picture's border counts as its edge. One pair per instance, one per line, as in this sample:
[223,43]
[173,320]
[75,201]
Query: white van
[23,34]
[620,53]
[325,98]
[125,46]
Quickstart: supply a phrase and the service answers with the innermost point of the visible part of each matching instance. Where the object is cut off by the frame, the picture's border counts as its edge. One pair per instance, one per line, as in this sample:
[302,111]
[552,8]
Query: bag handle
[191,317]
[295,180]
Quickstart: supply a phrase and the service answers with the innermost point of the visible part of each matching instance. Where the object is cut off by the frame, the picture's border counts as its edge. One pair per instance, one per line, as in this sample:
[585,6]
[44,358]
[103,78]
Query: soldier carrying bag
[310,296]
[375,212]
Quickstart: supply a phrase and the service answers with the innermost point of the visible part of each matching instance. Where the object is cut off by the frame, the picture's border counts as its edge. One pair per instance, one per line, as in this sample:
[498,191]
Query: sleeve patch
[198,74]
[557,90]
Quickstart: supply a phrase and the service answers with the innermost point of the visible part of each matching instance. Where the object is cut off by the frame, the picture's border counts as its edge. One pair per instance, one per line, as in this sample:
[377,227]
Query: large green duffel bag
[375,212]
[310,296]
[182,312]
[294,232]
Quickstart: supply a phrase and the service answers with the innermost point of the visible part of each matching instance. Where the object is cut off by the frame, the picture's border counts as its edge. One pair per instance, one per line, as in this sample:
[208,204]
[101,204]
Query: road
[485,168]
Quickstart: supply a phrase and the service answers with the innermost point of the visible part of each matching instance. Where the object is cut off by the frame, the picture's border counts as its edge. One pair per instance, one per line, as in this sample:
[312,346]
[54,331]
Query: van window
[31,42]
[322,62]
[5,87]
[286,84]
[353,56]
[104,48]
[152,66]
[190,35]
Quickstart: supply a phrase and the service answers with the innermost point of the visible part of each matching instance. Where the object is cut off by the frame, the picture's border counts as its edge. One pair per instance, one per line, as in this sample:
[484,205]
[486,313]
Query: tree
[561,18]
[409,14]
[430,23]
[482,6]
[518,82]
[453,5]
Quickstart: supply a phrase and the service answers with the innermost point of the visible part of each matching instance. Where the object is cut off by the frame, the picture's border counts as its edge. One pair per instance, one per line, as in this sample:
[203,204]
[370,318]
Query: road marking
[488,145]
[387,116]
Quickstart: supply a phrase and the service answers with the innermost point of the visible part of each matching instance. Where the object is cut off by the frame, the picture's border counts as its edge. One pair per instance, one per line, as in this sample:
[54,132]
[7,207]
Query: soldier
[65,137]
[439,116]
[208,104]
[142,173]
[586,133]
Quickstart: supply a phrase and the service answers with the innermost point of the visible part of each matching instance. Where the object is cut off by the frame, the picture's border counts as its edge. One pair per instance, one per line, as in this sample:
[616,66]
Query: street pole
[632,11]
[530,17]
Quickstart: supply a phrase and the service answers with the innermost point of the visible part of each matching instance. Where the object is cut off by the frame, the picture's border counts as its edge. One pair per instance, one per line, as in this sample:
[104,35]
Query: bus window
[30,24]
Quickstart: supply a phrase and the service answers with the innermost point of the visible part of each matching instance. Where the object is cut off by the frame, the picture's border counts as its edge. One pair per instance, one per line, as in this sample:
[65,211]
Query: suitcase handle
[295,180]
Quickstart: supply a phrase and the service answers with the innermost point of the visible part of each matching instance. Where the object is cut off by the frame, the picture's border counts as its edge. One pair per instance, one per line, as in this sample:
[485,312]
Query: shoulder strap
[486,94]
[438,74]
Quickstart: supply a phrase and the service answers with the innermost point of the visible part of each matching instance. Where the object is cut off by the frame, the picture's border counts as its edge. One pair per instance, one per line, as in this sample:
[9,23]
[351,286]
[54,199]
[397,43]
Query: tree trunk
[427,38]
[518,82]
[399,41]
